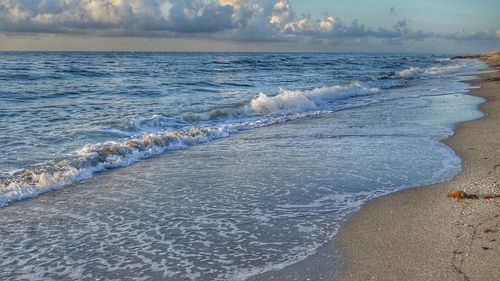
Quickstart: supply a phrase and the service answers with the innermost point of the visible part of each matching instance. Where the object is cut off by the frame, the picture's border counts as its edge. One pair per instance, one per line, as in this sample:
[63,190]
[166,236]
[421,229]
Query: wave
[287,102]
[298,101]
[150,124]
[95,158]
[418,72]
[217,113]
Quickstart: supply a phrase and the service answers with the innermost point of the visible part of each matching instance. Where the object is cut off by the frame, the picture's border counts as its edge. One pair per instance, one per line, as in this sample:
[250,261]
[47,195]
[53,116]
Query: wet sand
[420,234]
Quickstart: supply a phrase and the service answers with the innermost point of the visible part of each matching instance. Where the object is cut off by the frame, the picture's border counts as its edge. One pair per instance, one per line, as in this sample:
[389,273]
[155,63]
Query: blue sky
[251,25]
[439,15]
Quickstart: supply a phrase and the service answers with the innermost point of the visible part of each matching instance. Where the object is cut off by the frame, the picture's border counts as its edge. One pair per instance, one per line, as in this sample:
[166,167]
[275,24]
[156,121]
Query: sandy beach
[420,234]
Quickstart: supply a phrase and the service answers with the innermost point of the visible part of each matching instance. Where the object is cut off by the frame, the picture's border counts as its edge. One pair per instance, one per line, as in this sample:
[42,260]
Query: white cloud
[105,12]
[327,24]
[282,13]
[229,2]
[13,11]
[297,25]
[240,20]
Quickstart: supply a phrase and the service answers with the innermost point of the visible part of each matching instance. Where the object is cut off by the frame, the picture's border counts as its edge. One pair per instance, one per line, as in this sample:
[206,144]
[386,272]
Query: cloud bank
[239,20]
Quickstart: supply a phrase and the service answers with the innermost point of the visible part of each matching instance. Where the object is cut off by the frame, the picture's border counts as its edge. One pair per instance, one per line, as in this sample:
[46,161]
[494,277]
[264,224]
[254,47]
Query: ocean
[209,166]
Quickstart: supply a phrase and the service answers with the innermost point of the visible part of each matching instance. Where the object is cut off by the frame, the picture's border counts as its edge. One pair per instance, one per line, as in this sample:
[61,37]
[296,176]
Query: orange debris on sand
[458,195]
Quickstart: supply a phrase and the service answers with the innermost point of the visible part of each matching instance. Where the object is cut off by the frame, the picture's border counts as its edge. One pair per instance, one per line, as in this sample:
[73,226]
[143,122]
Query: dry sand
[420,234]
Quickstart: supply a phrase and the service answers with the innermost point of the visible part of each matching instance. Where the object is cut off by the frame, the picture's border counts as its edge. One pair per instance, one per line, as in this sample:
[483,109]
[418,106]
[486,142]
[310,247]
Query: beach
[249,140]
[420,234]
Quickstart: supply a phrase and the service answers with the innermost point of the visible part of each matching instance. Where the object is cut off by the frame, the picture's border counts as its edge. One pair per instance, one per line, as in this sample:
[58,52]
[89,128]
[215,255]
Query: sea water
[209,166]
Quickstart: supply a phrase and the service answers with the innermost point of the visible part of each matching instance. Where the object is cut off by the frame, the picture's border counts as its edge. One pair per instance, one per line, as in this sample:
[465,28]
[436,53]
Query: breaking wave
[298,101]
[418,72]
[287,102]
[95,158]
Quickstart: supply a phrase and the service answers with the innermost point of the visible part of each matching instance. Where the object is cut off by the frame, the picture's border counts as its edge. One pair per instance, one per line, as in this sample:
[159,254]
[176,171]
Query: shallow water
[224,195]
[232,208]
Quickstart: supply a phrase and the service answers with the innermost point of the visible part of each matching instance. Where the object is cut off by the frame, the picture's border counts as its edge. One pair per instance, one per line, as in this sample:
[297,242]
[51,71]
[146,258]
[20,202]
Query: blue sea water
[209,166]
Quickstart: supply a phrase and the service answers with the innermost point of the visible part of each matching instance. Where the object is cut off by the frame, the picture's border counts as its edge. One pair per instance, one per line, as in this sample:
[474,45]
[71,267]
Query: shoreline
[420,234]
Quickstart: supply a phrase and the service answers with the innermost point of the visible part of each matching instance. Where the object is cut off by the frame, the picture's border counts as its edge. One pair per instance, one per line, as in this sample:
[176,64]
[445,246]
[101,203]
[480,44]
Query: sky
[455,26]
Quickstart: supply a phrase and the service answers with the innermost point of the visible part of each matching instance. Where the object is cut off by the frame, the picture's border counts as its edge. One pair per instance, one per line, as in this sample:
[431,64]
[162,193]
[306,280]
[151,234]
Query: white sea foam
[287,102]
[420,72]
[292,101]
[94,158]
[347,202]
[416,72]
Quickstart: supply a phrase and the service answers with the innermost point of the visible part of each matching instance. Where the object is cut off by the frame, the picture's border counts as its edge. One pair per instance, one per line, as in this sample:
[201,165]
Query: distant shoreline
[420,234]
[218,52]
[493,57]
